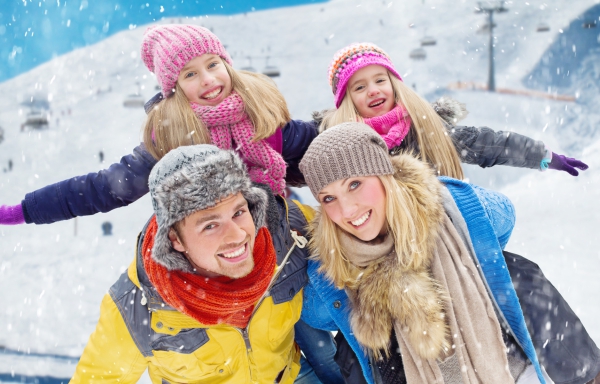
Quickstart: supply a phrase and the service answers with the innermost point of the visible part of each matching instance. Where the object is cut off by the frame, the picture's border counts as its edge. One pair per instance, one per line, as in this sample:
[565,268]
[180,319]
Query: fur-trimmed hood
[399,289]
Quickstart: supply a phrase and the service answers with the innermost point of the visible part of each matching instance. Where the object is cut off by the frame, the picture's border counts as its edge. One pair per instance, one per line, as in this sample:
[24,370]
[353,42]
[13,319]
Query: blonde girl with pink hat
[203,99]
[368,88]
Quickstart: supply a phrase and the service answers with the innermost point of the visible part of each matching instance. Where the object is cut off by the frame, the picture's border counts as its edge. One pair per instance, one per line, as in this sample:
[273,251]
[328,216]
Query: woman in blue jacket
[409,269]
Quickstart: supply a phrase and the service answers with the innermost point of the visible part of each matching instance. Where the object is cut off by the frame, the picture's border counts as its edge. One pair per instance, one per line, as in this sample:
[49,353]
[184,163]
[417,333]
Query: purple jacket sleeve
[297,136]
[119,185]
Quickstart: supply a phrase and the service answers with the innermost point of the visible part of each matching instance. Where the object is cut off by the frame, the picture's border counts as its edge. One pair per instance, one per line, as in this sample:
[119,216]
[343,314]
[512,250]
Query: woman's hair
[408,218]
[434,143]
[172,122]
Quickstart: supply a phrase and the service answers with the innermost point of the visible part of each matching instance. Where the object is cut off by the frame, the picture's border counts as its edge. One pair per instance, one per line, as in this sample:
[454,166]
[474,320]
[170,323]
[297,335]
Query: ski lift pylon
[485,28]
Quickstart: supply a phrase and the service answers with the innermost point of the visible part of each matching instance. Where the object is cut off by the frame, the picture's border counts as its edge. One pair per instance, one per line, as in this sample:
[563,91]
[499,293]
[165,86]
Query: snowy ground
[53,276]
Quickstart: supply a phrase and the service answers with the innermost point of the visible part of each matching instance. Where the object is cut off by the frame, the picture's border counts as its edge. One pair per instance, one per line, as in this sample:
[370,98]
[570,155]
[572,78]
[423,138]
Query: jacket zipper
[299,241]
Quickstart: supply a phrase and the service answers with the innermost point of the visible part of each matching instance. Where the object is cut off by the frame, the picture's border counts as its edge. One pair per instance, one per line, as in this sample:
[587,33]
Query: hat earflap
[257,205]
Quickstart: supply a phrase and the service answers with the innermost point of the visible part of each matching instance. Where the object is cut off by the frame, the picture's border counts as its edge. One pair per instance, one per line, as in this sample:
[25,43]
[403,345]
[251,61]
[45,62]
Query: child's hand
[11,215]
[567,164]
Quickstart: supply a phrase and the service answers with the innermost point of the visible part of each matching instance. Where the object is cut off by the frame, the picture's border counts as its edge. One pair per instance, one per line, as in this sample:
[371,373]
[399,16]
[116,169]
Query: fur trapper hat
[192,178]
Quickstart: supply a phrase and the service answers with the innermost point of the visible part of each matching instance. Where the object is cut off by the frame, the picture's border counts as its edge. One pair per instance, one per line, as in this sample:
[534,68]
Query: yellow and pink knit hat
[350,59]
[166,49]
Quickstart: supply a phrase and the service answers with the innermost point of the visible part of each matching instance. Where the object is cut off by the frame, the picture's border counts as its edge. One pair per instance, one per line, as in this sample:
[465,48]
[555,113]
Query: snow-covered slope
[52,277]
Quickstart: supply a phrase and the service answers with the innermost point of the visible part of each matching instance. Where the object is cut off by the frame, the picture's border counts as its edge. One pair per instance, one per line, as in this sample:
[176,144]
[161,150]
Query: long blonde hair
[413,212]
[434,143]
[172,123]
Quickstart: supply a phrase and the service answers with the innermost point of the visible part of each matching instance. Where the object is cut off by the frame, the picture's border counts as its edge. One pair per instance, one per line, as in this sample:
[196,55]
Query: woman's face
[205,80]
[356,205]
[371,91]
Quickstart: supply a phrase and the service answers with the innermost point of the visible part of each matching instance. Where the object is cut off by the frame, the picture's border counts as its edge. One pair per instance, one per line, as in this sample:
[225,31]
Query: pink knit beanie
[166,49]
[350,59]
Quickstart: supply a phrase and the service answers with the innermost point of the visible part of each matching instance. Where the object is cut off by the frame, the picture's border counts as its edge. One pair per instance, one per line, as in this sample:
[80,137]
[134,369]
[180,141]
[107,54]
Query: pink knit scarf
[392,126]
[229,125]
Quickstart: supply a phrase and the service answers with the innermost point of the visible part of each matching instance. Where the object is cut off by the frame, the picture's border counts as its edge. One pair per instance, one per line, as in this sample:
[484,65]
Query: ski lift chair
[271,70]
[36,120]
[589,24]
[134,101]
[418,54]
[427,41]
[542,27]
[249,68]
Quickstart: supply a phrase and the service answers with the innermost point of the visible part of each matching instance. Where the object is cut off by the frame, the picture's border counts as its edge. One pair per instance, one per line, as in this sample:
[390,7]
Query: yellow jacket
[138,331]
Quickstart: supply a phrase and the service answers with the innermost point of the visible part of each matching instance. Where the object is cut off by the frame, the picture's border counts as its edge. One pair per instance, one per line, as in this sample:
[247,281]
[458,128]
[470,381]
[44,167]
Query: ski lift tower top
[489,10]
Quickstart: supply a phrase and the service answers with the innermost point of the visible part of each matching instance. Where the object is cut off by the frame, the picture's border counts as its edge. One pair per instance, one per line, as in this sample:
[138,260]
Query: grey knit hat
[345,150]
[192,178]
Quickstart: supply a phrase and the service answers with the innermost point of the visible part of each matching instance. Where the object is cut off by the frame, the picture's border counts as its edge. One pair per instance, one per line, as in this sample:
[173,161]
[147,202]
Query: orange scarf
[214,300]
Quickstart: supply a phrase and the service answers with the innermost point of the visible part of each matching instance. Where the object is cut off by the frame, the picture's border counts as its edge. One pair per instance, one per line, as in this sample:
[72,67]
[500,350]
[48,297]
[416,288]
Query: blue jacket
[489,227]
[125,182]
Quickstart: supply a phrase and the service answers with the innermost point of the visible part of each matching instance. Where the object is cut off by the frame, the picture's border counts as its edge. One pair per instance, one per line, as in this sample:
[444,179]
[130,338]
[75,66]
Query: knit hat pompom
[350,59]
[166,49]
[342,151]
[192,178]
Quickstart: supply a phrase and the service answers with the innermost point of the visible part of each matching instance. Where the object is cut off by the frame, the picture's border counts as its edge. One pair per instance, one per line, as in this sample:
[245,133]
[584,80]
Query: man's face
[218,241]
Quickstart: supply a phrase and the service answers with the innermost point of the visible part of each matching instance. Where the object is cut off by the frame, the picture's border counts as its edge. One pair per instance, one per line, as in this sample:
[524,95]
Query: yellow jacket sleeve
[110,354]
[307,210]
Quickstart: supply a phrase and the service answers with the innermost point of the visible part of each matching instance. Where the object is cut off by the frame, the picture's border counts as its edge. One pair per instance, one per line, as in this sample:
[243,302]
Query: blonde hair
[172,123]
[434,143]
[409,221]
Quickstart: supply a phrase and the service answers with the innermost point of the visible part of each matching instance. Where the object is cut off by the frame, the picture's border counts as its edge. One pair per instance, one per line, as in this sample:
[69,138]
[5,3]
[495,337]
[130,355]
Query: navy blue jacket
[126,181]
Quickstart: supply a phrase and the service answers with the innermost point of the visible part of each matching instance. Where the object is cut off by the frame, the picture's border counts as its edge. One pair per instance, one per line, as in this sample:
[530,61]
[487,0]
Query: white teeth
[234,254]
[213,94]
[377,103]
[361,219]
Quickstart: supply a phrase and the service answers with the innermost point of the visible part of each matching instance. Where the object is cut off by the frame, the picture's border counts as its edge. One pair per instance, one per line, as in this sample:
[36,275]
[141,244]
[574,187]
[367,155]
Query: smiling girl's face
[205,80]
[356,205]
[371,91]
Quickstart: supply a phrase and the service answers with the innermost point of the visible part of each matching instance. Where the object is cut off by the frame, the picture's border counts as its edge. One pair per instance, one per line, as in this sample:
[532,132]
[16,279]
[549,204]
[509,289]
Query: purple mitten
[11,215]
[567,164]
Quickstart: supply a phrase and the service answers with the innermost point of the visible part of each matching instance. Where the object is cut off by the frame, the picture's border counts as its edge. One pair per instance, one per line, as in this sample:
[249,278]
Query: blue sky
[34,31]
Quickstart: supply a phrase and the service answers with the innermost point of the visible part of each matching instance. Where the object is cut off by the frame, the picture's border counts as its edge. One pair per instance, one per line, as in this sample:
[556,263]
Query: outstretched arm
[119,185]
[485,147]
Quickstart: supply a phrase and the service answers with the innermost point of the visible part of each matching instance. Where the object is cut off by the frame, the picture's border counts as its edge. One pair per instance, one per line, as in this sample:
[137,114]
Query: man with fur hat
[216,285]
